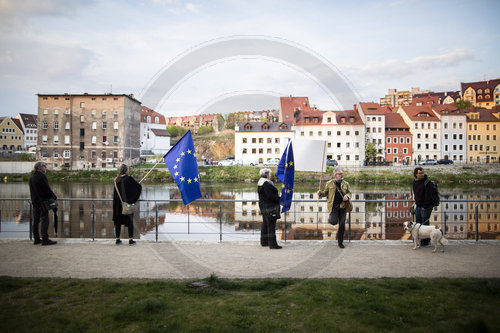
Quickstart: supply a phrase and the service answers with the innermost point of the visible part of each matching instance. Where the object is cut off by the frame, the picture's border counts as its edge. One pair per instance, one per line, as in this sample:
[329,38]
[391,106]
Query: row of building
[405,134]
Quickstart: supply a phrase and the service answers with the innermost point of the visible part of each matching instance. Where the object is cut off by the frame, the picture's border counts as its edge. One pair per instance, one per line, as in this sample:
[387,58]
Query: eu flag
[286,173]
[181,162]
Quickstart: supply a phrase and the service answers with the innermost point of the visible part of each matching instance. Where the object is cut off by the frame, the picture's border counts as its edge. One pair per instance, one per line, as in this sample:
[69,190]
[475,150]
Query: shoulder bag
[347,204]
[127,208]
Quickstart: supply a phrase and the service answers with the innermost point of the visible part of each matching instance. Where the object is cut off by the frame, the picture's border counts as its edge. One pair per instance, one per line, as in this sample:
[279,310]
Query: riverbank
[445,175]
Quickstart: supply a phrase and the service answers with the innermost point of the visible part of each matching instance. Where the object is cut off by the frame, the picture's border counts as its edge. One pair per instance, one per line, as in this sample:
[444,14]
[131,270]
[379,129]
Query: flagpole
[151,170]
[322,166]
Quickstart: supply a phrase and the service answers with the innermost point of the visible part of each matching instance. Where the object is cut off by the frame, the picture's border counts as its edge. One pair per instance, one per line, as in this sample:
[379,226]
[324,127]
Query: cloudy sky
[77,46]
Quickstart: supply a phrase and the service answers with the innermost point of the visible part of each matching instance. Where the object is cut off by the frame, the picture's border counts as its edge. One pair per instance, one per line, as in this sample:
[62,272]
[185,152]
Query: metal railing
[84,218]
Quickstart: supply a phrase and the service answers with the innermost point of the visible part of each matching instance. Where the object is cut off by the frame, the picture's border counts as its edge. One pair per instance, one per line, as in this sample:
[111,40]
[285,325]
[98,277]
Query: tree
[463,104]
[370,151]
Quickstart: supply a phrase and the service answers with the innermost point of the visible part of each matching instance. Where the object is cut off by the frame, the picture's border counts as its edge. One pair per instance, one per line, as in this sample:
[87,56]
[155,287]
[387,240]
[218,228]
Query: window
[94,125]
[261,151]
[44,139]
[67,126]
[56,125]
[405,150]
[269,140]
[56,154]
[261,140]
[388,150]
[82,105]
[310,133]
[356,133]
[276,150]
[389,139]
[395,150]
[446,136]
[67,154]
[244,151]
[104,125]
[401,140]
[104,139]
[94,139]
[116,139]
[338,144]
[44,153]
[445,125]
[395,140]
[254,151]
[56,139]
[82,131]
[82,145]
[329,133]
[408,140]
[93,112]
[269,150]
[66,140]
[254,140]
[115,125]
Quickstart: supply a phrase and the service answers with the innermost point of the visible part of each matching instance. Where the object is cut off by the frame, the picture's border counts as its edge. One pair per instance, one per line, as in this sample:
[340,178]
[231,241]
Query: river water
[230,212]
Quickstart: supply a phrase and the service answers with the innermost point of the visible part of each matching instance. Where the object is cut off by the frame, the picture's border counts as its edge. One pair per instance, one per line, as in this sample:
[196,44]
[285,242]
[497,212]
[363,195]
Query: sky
[123,47]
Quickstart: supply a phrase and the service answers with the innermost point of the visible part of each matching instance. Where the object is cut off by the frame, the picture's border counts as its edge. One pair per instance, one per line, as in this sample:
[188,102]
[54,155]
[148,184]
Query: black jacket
[268,194]
[130,190]
[422,193]
[39,188]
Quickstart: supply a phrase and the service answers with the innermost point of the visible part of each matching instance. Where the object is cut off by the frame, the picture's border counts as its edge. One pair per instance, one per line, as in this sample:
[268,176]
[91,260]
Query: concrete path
[85,259]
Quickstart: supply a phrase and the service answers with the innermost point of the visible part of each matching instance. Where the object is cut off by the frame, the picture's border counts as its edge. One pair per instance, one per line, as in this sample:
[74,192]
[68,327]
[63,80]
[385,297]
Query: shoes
[131,242]
[264,245]
[275,247]
[118,242]
[48,242]
[341,245]
[37,241]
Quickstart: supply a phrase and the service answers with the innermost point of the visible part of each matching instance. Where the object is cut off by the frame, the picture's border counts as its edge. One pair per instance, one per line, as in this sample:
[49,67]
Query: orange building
[398,139]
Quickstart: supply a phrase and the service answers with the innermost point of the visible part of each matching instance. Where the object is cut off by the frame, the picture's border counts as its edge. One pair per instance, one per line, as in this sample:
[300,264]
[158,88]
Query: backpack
[436,199]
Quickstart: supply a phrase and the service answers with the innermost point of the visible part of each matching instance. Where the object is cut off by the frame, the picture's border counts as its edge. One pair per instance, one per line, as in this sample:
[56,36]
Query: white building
[373,116]
[29,124]
[155,139]
[260,142]
[425,127]
[453,132]
[344,132]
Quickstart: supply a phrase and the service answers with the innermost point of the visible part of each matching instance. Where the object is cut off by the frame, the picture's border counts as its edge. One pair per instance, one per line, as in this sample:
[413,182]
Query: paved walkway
[86,259]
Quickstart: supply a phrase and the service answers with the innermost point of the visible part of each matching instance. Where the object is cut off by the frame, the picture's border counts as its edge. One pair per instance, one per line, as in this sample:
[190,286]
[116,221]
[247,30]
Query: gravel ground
[85,259]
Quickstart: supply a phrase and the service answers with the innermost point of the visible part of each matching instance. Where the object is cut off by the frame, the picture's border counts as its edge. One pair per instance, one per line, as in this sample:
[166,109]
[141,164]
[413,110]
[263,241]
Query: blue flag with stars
[181,162]
[286,173]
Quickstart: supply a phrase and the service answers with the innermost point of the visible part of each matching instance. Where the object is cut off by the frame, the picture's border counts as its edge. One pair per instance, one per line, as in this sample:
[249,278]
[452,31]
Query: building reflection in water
[380,218]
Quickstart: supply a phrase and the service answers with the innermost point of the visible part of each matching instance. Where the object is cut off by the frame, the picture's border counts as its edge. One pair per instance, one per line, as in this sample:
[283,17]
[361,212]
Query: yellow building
[483,136]
[11,135]
[485,94]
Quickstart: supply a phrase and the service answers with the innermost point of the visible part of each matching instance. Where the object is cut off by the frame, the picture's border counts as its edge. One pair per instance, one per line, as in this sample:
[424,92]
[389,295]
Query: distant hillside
[216,146]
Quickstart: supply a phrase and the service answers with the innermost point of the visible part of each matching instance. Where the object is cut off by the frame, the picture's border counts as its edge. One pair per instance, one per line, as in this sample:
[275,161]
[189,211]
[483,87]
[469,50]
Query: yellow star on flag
[189,180]
[182,179]
[175,166]
[176,174]
[189,151]
[196,180]
[182,154]
[177,160]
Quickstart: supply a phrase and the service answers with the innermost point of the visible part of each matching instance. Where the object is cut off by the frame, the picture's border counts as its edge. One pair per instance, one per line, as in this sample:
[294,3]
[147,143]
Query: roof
[394,120]
[425,99]
[372,109]
[315,117]
[259,126]
[440,95]
[18,124]
[291,104]
[131,96]
[447,109]
[145,112]
[485,115]
[29,120]
[419,113]
[160,132]
[490,84]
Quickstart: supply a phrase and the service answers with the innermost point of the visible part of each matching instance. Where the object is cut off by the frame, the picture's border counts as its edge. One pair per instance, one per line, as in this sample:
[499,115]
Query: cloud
[399,68]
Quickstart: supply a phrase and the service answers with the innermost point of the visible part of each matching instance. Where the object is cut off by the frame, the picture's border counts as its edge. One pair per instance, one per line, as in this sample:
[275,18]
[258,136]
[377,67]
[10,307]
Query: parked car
[445,161]
[272,162]
[429,161]
[332,163]
[226,163]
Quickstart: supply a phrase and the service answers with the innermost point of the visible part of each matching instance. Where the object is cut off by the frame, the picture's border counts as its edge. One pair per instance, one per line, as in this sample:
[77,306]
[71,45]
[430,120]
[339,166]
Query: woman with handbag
[126,193]
[338,192]
[269,204]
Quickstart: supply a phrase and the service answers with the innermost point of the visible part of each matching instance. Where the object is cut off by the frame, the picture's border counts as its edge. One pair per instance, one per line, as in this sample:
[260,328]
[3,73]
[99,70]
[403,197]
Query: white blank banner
[308,154]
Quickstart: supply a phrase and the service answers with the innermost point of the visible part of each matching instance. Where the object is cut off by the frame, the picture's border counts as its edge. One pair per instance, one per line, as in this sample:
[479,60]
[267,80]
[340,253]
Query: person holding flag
[270,209]
[182,165]
[286,174]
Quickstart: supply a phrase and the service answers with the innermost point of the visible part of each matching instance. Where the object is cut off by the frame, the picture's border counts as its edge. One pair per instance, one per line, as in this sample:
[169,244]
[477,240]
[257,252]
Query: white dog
[418,232]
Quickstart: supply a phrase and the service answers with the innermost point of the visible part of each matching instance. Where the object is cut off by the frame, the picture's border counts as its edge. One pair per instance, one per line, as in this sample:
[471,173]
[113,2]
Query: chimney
[355,108]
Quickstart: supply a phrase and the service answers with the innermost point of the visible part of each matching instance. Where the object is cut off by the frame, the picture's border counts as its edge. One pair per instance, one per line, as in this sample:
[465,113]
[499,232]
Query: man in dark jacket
[269,206]
[422,190]
[40,195]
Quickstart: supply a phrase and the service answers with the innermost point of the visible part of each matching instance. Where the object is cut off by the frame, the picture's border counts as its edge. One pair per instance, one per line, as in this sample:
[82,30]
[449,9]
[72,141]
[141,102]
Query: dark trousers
[268,231]
[337,216]
[423,216]
[40,214]
[128,221]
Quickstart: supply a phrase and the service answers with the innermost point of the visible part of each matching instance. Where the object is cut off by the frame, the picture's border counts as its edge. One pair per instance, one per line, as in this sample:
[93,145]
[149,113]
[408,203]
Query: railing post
[156,221]
[285,225]
[188,218]
[220,223]
[93,221]
[349,229]
[0,220]
[476,216]
[444,223]
[31,220]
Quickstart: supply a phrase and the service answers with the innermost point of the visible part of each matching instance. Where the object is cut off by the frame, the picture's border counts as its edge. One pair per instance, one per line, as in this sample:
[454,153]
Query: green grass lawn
[268,305]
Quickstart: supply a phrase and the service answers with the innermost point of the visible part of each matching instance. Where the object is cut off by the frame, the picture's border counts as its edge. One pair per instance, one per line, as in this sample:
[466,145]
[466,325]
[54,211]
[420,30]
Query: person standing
[269,206]
[130,191]
[337,191]
[40,195]
[422,194]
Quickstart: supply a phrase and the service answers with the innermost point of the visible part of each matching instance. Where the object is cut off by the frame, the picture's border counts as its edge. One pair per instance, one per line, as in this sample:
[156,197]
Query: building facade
[29,125]
[374,117]
[484,94]
[155,139]
[483,136]
[398,140]
[11,135]
[453,132]
[88,131]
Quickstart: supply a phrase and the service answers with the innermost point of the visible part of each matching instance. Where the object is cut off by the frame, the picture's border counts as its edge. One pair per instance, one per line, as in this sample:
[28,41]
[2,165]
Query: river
[230,212]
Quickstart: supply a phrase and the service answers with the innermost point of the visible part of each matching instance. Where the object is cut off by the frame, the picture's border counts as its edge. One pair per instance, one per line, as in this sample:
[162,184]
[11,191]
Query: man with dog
[422,194]
[337,191]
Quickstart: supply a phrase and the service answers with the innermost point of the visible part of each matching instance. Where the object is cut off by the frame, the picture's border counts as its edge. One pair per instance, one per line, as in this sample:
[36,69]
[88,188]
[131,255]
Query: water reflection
[382,218]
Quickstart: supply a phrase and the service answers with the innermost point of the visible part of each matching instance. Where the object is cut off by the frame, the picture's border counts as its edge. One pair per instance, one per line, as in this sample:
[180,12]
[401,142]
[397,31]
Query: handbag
[347,204]
[127,208]
[273,211]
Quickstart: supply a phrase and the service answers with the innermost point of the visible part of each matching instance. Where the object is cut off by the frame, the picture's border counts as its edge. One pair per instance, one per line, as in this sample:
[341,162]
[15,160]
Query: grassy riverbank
[269,305]
[447,175]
